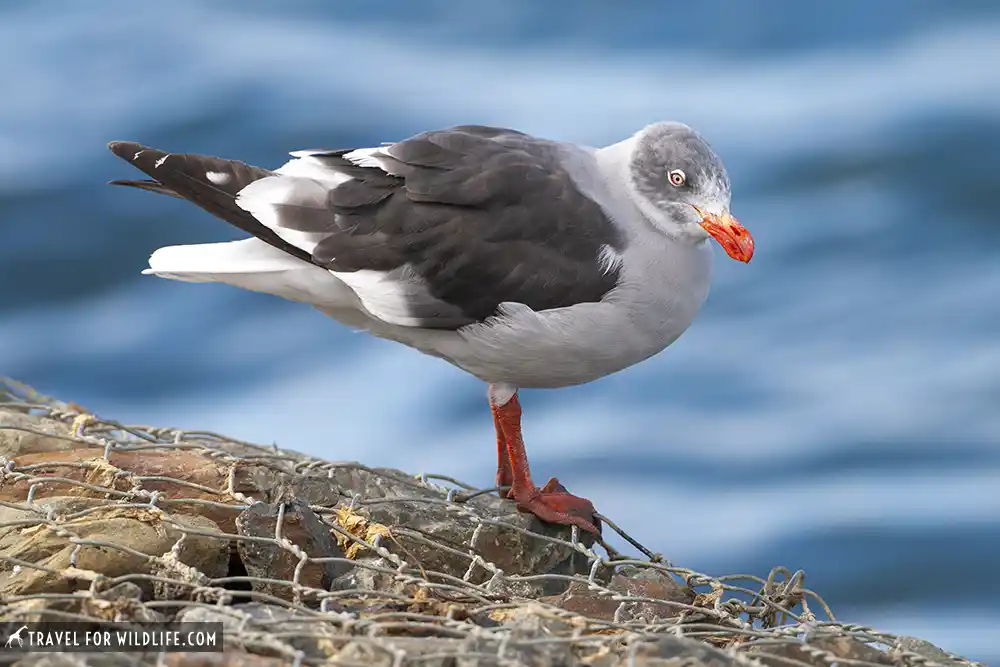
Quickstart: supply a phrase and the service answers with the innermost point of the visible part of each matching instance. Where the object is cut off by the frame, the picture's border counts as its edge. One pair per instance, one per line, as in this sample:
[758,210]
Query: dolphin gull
[524,261]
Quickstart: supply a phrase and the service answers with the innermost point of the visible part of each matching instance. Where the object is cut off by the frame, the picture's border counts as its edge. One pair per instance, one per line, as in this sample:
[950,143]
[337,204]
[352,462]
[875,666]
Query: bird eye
[676,177]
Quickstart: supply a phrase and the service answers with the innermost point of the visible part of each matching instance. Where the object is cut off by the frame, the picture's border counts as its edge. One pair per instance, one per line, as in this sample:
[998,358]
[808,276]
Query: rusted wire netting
[313,562]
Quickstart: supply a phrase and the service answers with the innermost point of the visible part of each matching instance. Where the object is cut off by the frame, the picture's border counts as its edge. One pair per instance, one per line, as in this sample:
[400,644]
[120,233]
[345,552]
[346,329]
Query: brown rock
[660,587]
[105,534]
[666,595]
[376,618]
[85,464]
[21,434]
[181,476]
[16,519]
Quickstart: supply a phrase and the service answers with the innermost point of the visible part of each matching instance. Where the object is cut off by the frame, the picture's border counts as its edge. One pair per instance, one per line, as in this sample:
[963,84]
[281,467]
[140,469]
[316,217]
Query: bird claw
[554,504]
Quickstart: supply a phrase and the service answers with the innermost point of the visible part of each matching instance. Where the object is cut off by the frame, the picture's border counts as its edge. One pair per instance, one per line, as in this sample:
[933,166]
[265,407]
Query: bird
[524,261]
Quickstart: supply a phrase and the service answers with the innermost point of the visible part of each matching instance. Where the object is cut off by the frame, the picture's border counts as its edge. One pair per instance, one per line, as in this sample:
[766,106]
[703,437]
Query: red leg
[551,503]
[505,476]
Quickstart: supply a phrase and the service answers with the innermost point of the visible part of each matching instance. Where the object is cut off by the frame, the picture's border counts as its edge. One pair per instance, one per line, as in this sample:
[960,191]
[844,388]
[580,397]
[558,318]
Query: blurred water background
[836,406]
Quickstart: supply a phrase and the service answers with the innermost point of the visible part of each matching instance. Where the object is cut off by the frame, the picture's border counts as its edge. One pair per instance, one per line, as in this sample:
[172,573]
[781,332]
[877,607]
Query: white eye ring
[676,177]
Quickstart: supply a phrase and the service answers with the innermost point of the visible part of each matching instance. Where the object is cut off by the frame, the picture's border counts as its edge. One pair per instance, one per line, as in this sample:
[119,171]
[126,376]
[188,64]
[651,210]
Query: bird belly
[573,345]
[567,346]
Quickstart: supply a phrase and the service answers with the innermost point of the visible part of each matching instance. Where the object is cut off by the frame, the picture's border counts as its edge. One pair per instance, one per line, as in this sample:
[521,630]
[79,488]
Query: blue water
[836,406]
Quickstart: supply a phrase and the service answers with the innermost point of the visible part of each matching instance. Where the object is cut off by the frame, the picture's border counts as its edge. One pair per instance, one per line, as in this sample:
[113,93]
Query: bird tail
[209,182]
[263,263]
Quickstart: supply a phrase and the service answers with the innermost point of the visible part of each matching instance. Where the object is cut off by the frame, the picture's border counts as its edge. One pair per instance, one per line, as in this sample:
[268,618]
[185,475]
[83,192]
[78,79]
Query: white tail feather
[254,265]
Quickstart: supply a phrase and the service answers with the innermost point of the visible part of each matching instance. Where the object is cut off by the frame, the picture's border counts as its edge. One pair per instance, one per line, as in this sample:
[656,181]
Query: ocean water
[836,405]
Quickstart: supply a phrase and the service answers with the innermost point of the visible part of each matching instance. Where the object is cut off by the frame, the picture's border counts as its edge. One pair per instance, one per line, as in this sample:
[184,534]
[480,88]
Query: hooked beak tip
[734,238]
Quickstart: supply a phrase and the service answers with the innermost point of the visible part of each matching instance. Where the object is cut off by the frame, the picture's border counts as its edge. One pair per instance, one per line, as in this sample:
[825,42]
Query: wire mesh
[314,562]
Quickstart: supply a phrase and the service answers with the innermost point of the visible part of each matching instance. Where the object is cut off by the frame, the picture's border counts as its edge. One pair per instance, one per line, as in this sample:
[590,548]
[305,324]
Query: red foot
[552,503]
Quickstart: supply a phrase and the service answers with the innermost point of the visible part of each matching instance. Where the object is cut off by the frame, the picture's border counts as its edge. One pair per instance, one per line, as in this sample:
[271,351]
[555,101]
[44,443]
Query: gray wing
[438,230]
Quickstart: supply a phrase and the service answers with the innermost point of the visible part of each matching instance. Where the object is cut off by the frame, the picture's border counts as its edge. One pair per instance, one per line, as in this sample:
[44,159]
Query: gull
[527,262]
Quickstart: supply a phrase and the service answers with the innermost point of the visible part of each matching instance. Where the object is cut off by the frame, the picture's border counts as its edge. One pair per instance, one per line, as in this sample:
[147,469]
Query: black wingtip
[126,150]
[151,186]
[122,181]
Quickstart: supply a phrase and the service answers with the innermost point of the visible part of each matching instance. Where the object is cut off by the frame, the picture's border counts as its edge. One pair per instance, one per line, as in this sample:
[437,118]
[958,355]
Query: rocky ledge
[306,561]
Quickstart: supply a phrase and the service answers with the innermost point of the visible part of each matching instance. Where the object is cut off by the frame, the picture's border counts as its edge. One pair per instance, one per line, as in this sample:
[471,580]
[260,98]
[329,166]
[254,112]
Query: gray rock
[273,631]
[682,652]
[816,651]
[87,660]
[368,575]
[269,560]
[928,650]
[422,520]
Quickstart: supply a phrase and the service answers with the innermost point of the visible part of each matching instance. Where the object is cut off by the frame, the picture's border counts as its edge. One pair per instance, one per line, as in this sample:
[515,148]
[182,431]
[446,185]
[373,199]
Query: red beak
[731,235]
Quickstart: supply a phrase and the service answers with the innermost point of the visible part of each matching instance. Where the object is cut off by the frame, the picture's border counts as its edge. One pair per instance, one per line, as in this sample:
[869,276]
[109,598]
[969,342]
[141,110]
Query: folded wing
[435,231]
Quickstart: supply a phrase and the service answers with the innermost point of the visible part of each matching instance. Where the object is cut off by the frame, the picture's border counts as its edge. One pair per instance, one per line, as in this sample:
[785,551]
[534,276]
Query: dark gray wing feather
[457,221]
[481,215]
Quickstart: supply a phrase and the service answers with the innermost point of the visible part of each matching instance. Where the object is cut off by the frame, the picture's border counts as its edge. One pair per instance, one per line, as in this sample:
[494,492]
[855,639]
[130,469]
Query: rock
[373,654]
[631,582]
[683,652]
[532,626]
[421,521]
[926,649]
[421,588]
[228,658]
[65,659]
[275,486]
[423,651]
[268,560]
[22,433]
[15,519]
[370,574]
[183,477]
[817,651]
[111,534]
[124,600]
[274,631]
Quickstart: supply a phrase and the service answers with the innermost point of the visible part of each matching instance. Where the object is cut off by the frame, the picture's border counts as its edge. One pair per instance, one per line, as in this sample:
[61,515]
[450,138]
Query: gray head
[683,187]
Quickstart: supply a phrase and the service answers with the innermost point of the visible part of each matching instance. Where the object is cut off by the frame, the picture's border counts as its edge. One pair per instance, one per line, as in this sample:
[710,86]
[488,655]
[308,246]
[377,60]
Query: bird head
[683,188]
